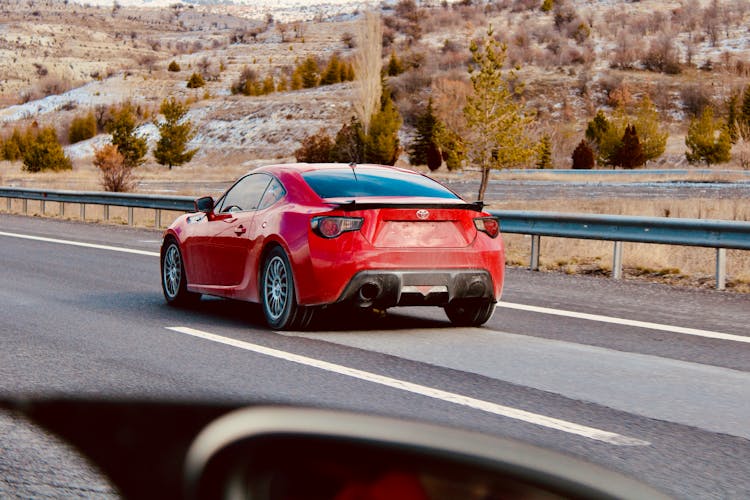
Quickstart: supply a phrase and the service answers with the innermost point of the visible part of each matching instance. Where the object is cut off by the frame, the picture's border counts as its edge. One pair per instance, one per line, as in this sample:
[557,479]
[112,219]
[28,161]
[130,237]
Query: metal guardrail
[83,198]
[717,234]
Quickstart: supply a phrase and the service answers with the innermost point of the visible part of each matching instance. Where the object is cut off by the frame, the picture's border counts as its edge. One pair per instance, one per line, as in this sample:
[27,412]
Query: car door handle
[240,230]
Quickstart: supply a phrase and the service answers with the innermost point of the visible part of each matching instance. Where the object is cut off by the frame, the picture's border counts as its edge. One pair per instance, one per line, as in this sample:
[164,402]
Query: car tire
[470,313]
[173,278]
[277,295]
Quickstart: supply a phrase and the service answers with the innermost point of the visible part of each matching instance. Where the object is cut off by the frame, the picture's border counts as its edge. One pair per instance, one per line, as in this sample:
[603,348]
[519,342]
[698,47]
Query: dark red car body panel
[223,253]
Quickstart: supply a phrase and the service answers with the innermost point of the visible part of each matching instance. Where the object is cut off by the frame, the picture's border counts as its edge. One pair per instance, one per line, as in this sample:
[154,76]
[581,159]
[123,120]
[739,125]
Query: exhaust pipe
[369,291]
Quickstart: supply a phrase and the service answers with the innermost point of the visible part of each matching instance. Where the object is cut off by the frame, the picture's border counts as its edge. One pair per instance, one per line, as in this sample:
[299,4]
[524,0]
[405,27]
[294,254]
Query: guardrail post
[44,206]
[25,206]
[536,241]
[106,212]
[157,218]
[130,216]
[9,200]
[721,268]
[62,209]
[617,261]
[83,212]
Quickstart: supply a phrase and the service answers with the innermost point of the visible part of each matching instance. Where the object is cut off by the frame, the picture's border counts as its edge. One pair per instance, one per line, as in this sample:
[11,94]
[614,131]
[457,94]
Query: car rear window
[354,182]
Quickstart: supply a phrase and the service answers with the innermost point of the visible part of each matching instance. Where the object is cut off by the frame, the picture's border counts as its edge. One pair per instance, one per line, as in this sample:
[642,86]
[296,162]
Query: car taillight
[489,225]
[331,227]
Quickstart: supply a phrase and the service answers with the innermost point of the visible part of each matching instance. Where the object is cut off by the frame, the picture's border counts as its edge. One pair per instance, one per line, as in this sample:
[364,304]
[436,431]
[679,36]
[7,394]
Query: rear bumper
[389,288]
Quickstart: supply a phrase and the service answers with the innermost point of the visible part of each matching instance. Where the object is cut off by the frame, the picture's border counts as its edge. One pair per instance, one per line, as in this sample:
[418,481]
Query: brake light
[488,225]
[331,227]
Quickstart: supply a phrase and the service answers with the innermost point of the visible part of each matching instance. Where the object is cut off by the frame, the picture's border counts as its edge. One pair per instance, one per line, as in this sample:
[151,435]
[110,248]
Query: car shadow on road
[333,319]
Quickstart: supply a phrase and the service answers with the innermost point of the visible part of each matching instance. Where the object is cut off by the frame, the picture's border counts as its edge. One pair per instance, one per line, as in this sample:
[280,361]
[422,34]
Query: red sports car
[301,237]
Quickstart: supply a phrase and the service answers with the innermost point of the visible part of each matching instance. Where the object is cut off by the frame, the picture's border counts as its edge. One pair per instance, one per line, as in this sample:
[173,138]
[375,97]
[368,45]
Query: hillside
[60,60]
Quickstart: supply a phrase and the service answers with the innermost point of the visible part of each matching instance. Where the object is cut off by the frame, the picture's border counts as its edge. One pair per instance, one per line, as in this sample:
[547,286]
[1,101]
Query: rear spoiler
[476,206]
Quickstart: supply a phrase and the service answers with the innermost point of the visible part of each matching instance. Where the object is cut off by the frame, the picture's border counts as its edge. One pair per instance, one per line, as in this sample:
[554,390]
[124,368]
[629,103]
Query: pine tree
[597,128]
[173,66]
[395,66]
[381,144]
[544,153]
[707,140]
[269,86]
[547,5]
[46,153]
[333,71]
[15,146]
[315,148]
[496,120]
[583,157]
[605,133]
[653,137]
[122,127]
[195,81]
[426,142]
[174,134]
[733,118]
[743,120]
[82,128]
[629,154]
[348,146]
[309,72]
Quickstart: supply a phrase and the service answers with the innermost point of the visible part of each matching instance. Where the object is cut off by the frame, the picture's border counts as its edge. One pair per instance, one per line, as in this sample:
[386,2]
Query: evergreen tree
[743,120]
[426,141]
[269,86]
[122,127]
[452,147]
[733,118]
[348,146]
[173,66]
[316,148]
[174,134]
[395,67]
[309,72]
[653,137]
[544,153]
[14,147]
[381,144]
[629,154]
[333,71]
[195,81]
[707,140]
[82,128]
[547,5]
[606,134]
[583,157]
[496,120]
[597,128]
[46,153]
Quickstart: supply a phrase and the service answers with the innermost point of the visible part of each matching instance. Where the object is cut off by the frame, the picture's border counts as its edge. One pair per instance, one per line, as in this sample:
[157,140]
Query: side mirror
[205,204]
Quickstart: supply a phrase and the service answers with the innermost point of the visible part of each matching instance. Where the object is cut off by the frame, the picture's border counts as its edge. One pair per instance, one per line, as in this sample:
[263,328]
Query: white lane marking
[450,397]
[80,244]
[508,305]
[627,322]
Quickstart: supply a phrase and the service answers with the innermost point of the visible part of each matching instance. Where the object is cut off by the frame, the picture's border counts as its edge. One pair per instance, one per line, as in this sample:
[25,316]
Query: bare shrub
[695,98]
[625,53]
[115,175]
[315,148]
[662,55]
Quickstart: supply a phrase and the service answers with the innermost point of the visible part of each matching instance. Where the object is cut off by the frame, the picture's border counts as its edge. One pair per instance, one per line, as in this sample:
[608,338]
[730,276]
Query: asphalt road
[647,380]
